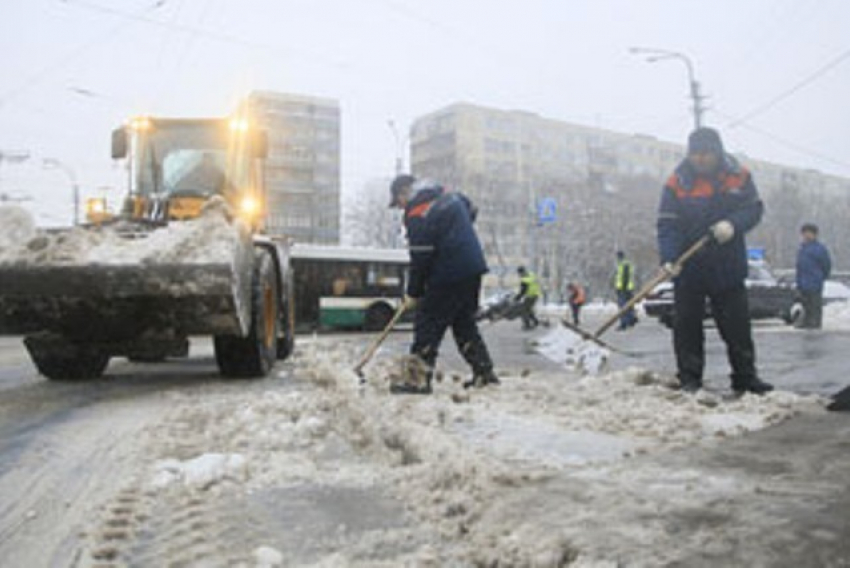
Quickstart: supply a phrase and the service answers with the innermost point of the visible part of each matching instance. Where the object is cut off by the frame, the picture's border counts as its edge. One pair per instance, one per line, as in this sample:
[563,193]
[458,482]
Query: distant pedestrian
[446,266]
[624,285]
[813,268]
[529,293]
[710,193]
[576,300]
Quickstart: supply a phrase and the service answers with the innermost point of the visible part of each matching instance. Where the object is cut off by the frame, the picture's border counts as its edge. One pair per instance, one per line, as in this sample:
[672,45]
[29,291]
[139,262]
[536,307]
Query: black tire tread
[248,357]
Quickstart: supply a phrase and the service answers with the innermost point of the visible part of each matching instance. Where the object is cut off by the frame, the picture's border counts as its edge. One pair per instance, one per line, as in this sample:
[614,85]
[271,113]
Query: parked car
[768,296]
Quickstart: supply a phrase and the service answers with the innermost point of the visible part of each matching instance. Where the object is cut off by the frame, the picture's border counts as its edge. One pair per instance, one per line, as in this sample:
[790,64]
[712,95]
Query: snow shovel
[587,336]
[378,340]
[661,276]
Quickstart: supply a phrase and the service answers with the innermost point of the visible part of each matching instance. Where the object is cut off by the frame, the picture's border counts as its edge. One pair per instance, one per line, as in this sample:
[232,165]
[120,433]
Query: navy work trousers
[452,306]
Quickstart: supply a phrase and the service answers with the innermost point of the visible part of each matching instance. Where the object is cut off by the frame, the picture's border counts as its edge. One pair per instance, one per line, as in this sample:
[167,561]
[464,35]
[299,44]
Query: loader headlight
[95,206]
[140,123]
[239,124]
[249,206]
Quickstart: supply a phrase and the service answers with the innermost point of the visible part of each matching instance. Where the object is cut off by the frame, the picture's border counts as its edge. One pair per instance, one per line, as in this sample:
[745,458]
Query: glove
[671,268]
[722,231]
[410,302]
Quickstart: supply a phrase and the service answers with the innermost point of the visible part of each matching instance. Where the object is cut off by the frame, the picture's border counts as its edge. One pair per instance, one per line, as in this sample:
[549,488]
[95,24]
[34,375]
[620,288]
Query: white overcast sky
[72,70]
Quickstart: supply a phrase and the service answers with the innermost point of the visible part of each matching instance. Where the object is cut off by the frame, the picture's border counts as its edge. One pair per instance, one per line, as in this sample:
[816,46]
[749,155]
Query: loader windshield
[189,159]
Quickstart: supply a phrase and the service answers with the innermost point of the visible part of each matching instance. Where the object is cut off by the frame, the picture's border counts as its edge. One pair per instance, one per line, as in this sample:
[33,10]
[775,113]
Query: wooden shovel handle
[661,276]
[380,339]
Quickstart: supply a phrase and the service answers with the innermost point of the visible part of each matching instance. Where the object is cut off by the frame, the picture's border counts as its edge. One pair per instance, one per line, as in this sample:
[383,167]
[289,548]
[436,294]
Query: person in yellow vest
[624,285]
[529,292]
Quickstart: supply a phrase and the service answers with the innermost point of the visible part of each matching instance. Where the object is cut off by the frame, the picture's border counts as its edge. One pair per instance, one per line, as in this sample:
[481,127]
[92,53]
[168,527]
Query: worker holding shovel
[710,193]
[446,265]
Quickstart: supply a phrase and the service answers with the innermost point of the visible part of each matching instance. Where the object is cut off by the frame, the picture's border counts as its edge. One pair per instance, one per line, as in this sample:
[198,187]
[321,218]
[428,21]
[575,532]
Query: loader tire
[254,355]
[59,359]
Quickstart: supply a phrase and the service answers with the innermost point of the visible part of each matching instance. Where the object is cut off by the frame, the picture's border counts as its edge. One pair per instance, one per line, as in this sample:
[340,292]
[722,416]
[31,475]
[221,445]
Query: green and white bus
[347,287]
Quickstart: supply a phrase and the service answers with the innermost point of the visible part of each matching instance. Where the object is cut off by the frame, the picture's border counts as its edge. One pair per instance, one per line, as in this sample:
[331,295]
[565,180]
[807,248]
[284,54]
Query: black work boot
[408,388]
[689,385]
[754,385]
[481,379]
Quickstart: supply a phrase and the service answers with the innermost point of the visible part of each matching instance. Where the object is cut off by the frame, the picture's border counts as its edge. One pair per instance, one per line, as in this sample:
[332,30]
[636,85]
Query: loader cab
[176,166]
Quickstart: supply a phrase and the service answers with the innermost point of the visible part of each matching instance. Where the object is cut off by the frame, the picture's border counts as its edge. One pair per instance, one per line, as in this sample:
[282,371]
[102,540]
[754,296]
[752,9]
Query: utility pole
[654,55]
[399,160]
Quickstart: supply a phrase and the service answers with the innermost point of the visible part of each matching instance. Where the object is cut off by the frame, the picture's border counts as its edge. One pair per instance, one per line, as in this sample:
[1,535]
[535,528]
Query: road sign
[547,211]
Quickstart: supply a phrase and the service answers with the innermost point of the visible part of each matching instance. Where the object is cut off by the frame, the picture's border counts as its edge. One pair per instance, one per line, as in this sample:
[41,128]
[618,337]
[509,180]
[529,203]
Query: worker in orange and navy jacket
[576,300]
[446,266]
[710,193]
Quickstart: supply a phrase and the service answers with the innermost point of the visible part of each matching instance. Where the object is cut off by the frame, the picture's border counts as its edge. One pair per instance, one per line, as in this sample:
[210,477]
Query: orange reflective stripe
[420,210]
[702,188]
[736,180]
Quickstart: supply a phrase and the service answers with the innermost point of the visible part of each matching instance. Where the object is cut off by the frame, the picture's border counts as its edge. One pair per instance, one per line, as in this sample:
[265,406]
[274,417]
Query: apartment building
[303,164]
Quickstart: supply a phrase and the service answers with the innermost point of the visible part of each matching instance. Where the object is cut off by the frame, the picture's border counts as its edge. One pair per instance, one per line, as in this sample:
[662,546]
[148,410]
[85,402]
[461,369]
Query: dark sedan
[768,297]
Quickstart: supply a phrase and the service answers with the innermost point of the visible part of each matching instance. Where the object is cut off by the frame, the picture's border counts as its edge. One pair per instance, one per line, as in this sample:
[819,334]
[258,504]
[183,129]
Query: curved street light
[654,55]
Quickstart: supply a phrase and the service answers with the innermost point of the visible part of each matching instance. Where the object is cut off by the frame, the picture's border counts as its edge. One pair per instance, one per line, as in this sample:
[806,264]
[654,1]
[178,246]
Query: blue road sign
[755,253]
[547,211]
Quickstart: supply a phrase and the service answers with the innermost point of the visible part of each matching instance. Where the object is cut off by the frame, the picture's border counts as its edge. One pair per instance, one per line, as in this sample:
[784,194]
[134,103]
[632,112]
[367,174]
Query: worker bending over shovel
[710,193]
[446,265]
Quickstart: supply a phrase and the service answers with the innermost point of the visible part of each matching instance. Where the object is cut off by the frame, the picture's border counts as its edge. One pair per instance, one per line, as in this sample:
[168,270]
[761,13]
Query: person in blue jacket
[710,193]
[446,266]
[813,268]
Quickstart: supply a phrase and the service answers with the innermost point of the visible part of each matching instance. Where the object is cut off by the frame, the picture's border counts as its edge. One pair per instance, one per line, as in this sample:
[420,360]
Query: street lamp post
[399,161]
[653,55]
[53,163]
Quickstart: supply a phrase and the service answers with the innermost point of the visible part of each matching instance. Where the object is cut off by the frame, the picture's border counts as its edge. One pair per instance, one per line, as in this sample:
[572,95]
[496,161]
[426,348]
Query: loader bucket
[122,302]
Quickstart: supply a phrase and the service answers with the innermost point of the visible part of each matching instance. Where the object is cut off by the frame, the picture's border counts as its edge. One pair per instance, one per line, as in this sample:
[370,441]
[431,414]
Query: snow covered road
[170,465]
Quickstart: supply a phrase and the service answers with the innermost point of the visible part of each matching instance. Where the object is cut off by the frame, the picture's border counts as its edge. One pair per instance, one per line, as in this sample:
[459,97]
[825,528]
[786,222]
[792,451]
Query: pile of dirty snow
[210,238]
[457,461]
[567,348]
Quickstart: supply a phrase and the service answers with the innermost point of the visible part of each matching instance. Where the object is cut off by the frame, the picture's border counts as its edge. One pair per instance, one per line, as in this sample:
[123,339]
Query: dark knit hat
[399,184]
[705,140]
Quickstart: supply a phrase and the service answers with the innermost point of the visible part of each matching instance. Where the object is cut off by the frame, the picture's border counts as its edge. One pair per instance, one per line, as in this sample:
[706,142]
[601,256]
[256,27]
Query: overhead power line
[206,32]
[62,63]
[804,150]
[809,79]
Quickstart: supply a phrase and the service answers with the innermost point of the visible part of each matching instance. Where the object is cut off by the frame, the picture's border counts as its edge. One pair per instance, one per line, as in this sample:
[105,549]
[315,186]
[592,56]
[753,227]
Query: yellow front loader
[186,255]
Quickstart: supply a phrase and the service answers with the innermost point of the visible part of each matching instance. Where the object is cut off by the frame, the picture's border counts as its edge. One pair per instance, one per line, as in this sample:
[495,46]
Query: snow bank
[836,316]
[210,238]
[466,465]
[835,290]
[600,307]
[567,348]
[16,227]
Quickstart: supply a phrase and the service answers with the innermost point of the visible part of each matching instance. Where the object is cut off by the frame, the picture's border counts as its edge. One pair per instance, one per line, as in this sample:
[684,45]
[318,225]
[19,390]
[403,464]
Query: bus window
[339,288]
[349,281]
